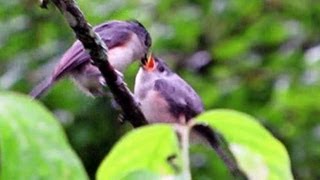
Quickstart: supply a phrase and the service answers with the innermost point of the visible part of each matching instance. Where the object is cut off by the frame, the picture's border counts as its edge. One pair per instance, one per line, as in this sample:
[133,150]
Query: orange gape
[150,65]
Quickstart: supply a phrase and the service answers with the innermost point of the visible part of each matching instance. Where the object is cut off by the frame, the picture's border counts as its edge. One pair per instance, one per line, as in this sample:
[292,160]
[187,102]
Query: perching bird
[126,40]
[163,95]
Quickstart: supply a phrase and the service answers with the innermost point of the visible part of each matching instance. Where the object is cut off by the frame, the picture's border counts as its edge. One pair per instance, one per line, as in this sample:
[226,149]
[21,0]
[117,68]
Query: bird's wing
[76,55]
[181,97]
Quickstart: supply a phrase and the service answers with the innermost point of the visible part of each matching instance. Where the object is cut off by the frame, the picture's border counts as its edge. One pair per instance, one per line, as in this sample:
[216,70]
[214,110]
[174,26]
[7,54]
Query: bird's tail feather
[41,88]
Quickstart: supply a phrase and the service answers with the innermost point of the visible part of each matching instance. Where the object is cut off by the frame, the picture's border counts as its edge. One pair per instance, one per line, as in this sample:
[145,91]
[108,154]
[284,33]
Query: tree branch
[98,53]
[219,145]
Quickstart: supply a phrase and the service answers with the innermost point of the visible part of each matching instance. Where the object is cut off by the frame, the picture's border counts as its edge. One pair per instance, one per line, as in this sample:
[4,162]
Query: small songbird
[126,40]
[164,97]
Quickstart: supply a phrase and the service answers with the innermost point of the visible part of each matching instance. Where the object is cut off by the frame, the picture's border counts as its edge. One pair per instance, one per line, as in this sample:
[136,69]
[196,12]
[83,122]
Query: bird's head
[156,66]
[142,32]
[143,35]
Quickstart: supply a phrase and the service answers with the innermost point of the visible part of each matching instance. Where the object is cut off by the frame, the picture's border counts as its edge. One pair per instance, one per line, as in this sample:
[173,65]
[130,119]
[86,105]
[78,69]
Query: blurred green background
[261,57]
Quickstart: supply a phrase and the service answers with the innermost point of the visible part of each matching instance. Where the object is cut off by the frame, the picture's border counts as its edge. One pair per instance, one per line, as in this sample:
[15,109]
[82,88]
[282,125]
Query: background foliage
[262,58]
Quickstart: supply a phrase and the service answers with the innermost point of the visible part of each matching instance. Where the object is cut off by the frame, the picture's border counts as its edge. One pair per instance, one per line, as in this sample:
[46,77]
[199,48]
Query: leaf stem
[184,132]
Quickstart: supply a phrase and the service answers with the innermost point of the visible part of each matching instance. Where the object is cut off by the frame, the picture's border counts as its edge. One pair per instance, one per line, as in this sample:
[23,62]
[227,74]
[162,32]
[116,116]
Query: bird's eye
[161,68]
[147,41]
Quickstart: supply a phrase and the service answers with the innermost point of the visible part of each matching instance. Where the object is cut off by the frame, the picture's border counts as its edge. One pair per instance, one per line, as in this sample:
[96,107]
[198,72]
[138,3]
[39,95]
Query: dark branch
[220,146]
[98,53]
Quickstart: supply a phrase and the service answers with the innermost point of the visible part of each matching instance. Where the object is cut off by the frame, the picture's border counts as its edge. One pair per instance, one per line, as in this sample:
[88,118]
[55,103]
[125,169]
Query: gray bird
[127,41]
[163,95]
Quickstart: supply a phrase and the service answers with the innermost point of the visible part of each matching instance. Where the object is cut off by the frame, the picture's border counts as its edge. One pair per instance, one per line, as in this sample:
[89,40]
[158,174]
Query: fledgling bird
[126,40]
[164,97]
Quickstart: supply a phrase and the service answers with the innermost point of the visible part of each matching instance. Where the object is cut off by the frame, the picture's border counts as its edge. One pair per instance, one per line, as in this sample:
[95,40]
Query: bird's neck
[121,57]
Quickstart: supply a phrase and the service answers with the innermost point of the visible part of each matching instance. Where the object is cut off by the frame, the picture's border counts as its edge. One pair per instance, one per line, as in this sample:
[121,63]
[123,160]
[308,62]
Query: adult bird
[164,97]
[126,40]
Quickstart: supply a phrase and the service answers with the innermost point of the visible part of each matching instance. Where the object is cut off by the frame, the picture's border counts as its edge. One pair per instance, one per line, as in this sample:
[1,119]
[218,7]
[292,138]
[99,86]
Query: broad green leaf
[150,151]
[33,144]
[258,153]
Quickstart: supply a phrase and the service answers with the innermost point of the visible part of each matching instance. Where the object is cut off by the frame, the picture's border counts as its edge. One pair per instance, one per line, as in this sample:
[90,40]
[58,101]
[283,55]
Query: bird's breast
[156,109]
[120,57]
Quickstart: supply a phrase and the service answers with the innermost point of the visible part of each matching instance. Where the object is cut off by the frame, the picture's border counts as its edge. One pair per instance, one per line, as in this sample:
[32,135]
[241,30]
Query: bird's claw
[120,78]
[121,118]
[119,74]
[102,81]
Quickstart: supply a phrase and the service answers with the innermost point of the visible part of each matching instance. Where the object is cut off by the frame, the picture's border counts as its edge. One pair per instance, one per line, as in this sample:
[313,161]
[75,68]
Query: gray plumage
[164,96]
[126,40]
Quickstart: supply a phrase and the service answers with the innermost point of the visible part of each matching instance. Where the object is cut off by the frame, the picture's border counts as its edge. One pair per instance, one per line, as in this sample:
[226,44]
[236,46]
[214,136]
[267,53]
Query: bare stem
[183,132]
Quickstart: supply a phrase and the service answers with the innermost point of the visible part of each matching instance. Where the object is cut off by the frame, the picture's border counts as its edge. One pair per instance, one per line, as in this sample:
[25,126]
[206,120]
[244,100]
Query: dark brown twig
[98,52]
[219,145]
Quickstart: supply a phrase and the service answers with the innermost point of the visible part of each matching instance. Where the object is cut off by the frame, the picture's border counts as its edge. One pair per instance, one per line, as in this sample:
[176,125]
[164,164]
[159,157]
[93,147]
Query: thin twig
[98,53]
[219,145]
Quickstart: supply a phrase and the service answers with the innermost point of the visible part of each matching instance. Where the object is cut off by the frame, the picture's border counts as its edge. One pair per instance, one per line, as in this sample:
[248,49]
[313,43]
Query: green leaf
[258,153]
[150,151]
[33,144]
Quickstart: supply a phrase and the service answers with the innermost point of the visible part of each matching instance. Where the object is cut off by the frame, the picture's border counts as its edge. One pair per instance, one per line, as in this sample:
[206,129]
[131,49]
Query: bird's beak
[144,59]
[149,64]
